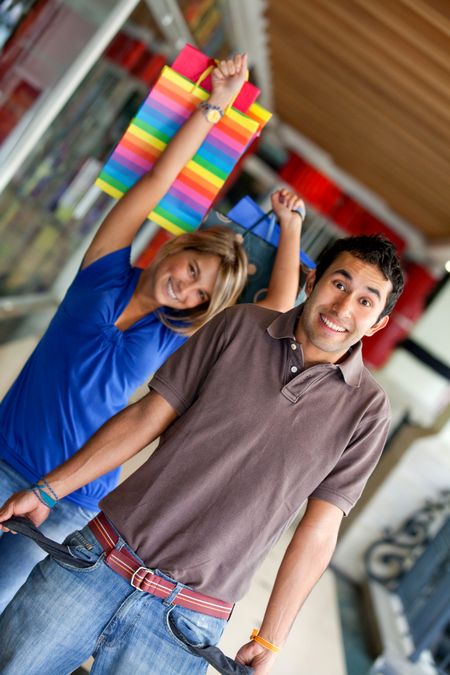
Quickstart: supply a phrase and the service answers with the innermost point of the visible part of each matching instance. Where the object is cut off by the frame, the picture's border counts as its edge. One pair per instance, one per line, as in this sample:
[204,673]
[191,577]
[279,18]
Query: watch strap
[213,113]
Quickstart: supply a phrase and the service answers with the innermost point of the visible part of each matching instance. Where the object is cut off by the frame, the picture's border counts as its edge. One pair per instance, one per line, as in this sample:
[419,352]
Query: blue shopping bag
[261,234]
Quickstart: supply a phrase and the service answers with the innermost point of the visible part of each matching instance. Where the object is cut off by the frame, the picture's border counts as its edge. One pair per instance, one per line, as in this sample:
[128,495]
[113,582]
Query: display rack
[104,24]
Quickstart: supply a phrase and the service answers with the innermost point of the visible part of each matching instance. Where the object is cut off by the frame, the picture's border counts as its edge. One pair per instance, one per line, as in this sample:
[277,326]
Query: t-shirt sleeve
[106,268]
[90,291]
[180,378]
[344,484]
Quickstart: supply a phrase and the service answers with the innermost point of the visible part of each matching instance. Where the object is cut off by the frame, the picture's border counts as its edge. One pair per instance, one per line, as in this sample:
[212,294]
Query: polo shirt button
[294,369]
[293,346]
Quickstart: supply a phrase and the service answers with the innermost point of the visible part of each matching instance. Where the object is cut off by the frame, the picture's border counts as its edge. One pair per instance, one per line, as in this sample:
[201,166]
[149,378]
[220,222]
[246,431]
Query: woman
[115,327]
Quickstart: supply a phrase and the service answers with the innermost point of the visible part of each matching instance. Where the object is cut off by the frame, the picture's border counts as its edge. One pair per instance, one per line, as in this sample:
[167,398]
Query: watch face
[213,116]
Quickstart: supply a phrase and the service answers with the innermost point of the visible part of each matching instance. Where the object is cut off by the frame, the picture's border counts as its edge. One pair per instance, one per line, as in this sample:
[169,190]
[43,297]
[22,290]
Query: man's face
[341,307]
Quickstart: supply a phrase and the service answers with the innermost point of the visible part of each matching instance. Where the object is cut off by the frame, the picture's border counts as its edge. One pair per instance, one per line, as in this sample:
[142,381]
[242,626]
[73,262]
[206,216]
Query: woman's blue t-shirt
[82,372]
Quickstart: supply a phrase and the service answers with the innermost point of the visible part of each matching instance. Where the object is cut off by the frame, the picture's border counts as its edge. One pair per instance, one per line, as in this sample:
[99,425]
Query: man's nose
[343,304]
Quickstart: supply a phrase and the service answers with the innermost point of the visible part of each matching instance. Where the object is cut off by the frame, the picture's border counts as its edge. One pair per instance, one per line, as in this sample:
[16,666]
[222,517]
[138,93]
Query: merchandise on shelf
[37,56]
[333,202]
[206,22]
[419,283]
[12,15]
[52,205]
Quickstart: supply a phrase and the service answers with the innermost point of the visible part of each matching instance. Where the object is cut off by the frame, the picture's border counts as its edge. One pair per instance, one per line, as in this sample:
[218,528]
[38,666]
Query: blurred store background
[360,91]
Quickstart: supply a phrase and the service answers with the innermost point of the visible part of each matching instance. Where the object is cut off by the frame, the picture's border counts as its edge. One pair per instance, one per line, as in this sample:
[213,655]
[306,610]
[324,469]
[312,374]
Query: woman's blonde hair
[231,277]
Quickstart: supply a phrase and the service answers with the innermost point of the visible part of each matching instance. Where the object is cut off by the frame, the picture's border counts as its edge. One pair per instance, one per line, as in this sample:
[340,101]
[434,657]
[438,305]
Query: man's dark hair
[373,249]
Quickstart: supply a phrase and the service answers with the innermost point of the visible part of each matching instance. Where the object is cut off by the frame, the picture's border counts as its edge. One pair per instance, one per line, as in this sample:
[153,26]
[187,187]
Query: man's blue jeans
[18,555]
[63,614]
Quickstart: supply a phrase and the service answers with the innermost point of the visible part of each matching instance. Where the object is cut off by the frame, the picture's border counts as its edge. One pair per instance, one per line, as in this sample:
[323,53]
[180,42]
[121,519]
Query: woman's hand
[256,656]
[228,77]
[25,504]
[284,203]
[285,277]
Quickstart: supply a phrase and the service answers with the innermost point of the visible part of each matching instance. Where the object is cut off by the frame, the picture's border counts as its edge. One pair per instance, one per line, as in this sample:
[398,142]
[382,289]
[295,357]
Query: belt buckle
[134,581]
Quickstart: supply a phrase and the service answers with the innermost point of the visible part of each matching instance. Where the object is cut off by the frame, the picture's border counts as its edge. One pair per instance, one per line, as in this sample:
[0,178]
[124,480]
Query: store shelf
[40,63]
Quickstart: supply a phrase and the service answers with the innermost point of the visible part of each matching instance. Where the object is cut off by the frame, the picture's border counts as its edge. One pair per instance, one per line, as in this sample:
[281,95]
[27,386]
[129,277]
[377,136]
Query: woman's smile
[171,291]
[185,280]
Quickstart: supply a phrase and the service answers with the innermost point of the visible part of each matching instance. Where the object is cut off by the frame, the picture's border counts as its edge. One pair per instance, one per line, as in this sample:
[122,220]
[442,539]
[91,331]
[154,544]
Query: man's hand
[283,203]
[229,76]
[256,656]
[25,504]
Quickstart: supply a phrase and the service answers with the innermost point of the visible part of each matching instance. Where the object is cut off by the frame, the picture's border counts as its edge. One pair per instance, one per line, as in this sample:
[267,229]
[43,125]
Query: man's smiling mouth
[331,325]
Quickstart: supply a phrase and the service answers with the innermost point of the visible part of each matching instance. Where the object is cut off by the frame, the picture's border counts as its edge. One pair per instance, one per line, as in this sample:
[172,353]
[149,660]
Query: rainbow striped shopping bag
[171,101]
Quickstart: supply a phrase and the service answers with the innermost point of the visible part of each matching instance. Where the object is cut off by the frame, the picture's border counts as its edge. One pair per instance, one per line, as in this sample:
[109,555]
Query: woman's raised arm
[285,277]
[124,220]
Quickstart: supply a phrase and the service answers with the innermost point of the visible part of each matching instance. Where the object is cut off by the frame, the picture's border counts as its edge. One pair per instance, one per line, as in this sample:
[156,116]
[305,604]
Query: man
[258,412]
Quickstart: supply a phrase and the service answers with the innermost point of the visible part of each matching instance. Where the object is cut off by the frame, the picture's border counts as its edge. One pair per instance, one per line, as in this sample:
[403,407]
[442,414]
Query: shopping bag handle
[207,72]
[260,219]
[304,258]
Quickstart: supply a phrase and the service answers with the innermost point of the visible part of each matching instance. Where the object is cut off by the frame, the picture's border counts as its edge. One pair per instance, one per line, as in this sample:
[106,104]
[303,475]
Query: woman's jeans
[63,614]
[18,555]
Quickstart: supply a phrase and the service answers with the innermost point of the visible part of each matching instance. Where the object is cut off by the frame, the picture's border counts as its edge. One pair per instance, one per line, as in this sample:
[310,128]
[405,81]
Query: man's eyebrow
[344,273]
[347,275]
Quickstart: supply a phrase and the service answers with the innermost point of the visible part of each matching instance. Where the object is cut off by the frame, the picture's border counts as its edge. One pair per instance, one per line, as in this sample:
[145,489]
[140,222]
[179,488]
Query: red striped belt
[128,566]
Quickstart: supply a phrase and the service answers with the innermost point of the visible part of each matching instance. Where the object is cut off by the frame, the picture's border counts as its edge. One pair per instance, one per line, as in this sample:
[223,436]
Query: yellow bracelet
[265,643]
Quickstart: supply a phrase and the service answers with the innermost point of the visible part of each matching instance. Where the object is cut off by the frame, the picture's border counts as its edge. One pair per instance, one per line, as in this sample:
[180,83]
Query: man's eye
[192,270]
[366,302]
[339,285]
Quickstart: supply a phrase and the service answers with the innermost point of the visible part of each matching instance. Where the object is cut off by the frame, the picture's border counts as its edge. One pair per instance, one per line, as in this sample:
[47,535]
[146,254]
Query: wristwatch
[213,113]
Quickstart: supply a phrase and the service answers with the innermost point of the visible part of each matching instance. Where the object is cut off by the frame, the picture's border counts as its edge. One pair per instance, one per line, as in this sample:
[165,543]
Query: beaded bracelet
[35,490]
[46,499]
[49,488]
[263,642]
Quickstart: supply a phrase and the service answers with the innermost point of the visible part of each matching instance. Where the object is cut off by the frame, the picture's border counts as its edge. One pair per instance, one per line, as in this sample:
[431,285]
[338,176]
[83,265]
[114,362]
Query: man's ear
[310,281]
[378,326]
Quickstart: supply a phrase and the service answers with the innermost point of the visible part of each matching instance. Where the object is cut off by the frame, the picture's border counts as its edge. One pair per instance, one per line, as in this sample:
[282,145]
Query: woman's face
[186,279]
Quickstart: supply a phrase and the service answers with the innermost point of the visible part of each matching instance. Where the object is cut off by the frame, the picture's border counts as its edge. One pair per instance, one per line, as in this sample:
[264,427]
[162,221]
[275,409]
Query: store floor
[315,644]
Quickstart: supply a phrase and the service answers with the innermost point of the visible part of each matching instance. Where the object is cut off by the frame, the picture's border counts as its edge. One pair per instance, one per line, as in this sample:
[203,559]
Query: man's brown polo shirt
[256,436]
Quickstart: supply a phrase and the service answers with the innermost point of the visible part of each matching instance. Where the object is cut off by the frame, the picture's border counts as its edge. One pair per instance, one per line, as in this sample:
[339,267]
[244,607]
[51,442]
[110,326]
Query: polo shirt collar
[351,368]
